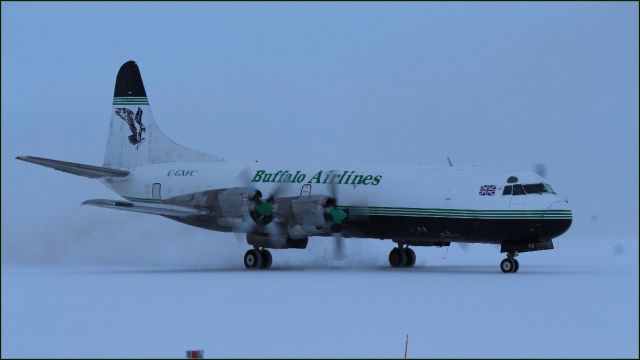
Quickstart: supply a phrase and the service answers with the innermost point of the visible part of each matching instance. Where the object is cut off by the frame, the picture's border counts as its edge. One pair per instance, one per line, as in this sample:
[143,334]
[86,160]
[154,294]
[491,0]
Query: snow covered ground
[579,300]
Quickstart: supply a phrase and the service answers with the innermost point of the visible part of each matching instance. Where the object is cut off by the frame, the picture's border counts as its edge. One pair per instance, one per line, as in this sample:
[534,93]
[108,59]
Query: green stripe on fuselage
[452,210]
[465,213]
[443,213]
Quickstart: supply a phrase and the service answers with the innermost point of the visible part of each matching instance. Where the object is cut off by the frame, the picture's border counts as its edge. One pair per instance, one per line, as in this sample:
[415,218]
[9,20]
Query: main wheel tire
[507,265]
[252,259]
[397,258]
[266,258]
[411,257]
[517,265]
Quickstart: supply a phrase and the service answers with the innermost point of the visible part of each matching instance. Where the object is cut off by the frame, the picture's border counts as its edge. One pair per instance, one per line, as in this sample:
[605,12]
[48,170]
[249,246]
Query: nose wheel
[510,264]
[257,259]
[402,257]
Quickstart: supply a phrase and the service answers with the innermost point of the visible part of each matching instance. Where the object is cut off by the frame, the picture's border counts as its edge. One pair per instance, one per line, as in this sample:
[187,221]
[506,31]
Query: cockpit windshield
[549,188]
[526,189]
[535,188]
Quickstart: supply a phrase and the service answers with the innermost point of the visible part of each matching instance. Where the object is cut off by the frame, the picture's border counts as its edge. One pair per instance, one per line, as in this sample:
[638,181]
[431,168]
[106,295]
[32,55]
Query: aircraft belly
[435,229]
[445,229]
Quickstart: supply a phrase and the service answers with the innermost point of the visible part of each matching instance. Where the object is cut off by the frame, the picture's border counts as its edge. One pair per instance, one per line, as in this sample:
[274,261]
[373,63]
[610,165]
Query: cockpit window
[535,188]
[527,189]
[549,188]
[518,190]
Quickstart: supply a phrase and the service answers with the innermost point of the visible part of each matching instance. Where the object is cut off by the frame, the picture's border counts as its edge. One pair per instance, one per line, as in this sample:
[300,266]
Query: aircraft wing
[148,208]
[89,171]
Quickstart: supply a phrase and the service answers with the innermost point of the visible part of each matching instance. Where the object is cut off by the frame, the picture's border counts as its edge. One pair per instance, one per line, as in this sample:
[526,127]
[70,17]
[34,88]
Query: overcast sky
[499,84]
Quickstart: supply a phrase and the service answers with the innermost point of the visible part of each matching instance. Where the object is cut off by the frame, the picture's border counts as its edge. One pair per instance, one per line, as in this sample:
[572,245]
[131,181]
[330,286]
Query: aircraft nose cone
[560,205]
[560,211]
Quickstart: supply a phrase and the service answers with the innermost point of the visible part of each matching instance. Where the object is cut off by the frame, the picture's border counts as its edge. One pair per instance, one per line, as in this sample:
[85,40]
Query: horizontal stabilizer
[89,171]
[148,208]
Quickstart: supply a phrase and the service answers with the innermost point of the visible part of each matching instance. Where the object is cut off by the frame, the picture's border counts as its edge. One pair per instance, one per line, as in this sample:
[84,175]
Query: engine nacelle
[230,207]
[234,205]
[242,209]
[311,213]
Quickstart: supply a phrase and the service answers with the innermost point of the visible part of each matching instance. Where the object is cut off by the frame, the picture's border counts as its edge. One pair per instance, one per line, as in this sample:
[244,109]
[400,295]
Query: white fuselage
[401,186]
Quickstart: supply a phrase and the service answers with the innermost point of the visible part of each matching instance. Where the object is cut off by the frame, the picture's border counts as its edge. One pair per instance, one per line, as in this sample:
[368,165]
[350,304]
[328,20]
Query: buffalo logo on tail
[132,120]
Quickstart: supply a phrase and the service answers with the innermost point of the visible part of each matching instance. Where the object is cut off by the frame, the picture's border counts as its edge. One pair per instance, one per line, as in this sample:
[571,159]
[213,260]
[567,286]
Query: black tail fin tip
[129,81]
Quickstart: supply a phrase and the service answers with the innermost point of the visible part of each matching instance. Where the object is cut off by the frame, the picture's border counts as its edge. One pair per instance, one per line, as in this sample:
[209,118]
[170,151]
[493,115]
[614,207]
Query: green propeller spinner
[264,208]
[337,215]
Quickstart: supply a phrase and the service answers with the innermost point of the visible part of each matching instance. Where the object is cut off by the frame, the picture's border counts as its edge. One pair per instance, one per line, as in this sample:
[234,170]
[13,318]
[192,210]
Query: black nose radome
[129,81]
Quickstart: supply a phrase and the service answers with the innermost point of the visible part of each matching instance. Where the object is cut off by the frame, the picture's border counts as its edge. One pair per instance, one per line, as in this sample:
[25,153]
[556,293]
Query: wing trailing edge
[89,171]
[149,208]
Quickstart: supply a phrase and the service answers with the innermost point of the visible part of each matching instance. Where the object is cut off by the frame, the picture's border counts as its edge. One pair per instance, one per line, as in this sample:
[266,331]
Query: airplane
[279,206]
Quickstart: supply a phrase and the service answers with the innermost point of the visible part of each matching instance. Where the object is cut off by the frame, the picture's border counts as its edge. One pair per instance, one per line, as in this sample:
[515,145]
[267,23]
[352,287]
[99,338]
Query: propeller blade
[273,228]
[332,186]
[540,169]
[277,233]
[240,228]
[338,217]
[278,190]
[338,248]
[244,177]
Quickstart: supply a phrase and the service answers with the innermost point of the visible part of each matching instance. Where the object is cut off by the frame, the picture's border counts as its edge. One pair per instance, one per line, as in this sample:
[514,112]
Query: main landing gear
[510,264]
[257,259]
[402,257]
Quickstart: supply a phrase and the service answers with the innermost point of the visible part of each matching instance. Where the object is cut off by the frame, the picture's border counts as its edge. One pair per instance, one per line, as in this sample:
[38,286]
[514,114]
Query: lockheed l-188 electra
[281,207]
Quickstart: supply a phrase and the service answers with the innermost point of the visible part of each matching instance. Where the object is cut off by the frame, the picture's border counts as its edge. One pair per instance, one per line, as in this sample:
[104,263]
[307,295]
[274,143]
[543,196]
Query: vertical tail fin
[134,138]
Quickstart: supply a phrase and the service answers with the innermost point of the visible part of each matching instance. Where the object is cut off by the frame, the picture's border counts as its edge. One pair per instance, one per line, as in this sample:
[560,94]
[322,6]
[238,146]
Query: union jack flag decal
[487,190]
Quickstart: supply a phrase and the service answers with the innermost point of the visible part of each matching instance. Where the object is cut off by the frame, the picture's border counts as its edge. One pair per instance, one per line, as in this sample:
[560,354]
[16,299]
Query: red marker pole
[406,346]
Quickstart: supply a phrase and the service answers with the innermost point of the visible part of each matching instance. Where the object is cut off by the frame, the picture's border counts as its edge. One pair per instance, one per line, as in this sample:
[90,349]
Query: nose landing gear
[510,264]
[257,259]
[402,257]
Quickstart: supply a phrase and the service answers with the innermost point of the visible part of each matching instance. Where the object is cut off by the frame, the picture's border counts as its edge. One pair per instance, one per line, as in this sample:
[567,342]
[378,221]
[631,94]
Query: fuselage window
[518,190]
[507,190]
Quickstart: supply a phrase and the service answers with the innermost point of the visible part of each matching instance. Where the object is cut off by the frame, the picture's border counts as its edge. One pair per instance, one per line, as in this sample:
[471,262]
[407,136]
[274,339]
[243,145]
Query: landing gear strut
[402,257]
[510,264]
[257,259]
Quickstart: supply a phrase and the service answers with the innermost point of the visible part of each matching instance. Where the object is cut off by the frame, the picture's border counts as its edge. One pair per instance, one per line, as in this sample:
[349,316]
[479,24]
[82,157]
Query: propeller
[336,216]
[340,217]
[261,210]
